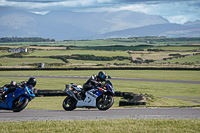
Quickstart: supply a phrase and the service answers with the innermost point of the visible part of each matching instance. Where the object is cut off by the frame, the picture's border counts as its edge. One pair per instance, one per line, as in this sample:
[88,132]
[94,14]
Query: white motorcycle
[99,97]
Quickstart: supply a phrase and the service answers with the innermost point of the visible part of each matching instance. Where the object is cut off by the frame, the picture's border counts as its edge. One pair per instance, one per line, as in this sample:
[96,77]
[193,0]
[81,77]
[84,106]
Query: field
[157,89]
[122,52]
[83,52]
[43,56]
[141,52]
[102,126]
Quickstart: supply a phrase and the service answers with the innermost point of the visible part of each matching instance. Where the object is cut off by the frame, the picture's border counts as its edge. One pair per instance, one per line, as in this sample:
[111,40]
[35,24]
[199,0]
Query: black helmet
[102,75]
[32,81]
[13,83]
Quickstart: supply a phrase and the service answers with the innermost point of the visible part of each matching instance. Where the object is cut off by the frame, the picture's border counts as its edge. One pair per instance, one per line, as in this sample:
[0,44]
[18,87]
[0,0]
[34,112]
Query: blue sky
[176,11]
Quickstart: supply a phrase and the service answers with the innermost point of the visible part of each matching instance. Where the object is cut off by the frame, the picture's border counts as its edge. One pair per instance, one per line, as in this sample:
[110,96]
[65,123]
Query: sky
[176,11]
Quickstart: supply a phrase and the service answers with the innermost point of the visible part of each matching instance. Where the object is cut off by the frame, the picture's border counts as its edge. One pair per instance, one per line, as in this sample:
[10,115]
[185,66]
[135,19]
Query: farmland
[157,89]
[152,52]
[102,53]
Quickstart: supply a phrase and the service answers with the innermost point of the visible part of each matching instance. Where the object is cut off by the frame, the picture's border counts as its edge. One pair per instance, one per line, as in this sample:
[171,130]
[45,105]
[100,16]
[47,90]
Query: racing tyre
[19,106]
[69,103]
[104,102]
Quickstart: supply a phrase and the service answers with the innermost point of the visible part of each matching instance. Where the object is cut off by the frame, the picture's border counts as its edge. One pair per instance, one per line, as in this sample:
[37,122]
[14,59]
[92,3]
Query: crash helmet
[13,83]
[102,75]
[32,81]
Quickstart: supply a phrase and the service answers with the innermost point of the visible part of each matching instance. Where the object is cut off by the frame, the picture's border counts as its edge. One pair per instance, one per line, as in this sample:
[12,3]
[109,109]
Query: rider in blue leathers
[13,85]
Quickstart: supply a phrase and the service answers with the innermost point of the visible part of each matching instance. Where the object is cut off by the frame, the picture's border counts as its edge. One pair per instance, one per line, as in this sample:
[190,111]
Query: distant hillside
[169,30]
[67,25]
[63,25]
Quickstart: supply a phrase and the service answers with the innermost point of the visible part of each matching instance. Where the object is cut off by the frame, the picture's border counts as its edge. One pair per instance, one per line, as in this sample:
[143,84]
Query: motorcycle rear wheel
[69,103]
[19,106]
[104,104]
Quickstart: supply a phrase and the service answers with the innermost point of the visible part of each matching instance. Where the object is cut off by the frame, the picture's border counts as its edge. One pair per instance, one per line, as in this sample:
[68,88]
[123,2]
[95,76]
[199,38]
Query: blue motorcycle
[18,99]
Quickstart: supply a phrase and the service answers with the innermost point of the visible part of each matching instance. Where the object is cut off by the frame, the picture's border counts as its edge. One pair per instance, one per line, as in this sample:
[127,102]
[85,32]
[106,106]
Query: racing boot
[2,98]
[82,94]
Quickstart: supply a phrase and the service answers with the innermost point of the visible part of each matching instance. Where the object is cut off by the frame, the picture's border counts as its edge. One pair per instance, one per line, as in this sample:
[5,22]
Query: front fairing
[29,93]
[110,89]
[109,82]
[24,93]
[109,86]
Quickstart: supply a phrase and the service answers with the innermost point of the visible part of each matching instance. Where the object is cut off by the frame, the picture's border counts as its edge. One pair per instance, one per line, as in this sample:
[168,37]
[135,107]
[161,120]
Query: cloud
[38,4]
[176,11]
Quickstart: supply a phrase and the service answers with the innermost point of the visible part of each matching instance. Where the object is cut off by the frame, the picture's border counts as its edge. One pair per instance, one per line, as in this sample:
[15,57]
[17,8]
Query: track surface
[93,114]
[124,79]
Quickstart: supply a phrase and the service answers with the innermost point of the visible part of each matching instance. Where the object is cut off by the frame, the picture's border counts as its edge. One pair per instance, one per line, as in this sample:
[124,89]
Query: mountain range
[68,25]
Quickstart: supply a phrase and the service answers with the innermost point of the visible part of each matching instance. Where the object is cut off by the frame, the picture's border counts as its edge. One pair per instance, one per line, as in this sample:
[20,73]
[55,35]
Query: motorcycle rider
[94,80]
[13,85]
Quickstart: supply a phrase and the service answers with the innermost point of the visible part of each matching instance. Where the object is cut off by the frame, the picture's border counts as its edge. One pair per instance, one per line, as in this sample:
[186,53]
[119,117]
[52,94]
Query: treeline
[64,59]
[96,58]
[90,57]
[154,39]
[25,39]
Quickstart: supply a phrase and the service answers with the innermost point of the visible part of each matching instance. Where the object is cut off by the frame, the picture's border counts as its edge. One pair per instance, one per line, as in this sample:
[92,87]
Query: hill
[169,30]
[62,24]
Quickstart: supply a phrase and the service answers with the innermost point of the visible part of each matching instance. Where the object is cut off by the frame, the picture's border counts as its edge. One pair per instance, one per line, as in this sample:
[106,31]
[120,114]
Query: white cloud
[39,5]
[175,11]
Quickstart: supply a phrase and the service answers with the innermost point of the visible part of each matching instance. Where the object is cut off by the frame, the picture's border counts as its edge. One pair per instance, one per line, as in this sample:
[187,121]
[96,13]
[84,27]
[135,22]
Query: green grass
[21,61]
[189,59]
[2,53]
[56,103]
[90,63]
[103,126]
[179,48]
[102,51]
[70,52]
[153,88]
[141,74]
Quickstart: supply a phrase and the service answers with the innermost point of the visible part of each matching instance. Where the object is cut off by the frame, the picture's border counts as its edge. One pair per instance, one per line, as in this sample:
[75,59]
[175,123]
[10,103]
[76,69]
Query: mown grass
[189,59]
[21,61]
[178,48]
[56,103]
[141,74]
[70,52]
[156,89]
[156,55]
[103,126]
[90,63]
[3,52]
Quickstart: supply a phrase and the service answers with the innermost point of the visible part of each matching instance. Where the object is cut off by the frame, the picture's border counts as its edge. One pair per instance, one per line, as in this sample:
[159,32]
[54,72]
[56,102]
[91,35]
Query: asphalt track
[123,79]
[94,114]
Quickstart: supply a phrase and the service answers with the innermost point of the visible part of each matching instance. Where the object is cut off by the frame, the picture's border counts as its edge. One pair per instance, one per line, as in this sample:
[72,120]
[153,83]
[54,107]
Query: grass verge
[56,103]
[102,126]
[156,89]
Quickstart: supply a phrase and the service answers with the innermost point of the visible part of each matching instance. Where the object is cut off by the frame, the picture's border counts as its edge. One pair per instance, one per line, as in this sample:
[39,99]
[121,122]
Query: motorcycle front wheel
[69,103]
[104,102]
[19,106]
